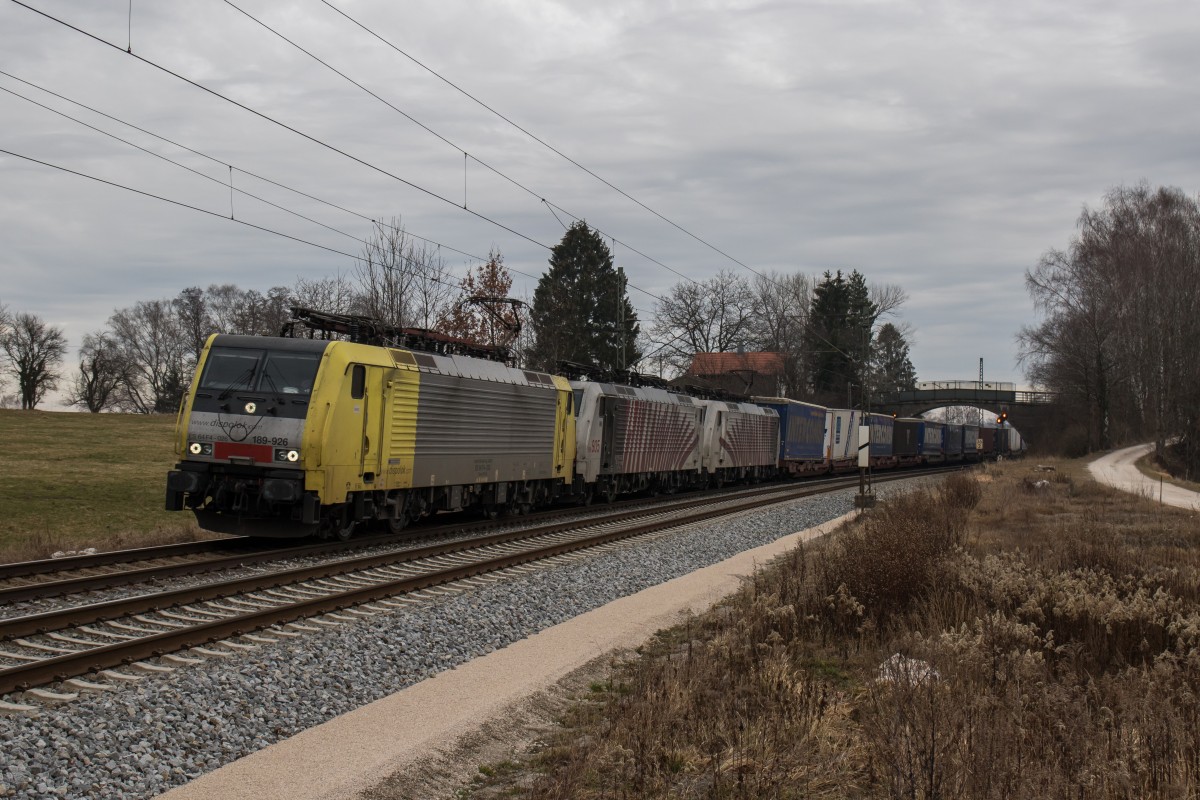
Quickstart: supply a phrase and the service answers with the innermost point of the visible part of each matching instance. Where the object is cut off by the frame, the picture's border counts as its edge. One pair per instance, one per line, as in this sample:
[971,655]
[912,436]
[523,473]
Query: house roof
[710,364]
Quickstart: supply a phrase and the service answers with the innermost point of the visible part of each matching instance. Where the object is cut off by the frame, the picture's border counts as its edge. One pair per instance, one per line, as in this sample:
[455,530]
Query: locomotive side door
[366,388]
[608,422]
[719,439]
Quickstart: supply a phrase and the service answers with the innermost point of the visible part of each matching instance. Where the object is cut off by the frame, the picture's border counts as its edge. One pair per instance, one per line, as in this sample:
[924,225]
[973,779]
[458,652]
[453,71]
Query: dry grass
[69,481]
[1152,468]
[995,638]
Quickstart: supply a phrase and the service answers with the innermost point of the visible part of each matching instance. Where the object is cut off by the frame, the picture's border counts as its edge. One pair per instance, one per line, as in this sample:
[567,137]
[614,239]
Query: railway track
[180,625]
[144,565]
[22,582]
[54,577]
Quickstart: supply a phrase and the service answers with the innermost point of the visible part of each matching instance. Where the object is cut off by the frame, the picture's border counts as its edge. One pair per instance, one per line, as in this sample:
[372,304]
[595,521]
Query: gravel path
[141,740]
[1119,469]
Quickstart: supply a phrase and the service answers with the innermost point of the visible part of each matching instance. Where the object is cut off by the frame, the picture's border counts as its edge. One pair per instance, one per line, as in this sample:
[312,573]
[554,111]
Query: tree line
[1118,338]
[830,332]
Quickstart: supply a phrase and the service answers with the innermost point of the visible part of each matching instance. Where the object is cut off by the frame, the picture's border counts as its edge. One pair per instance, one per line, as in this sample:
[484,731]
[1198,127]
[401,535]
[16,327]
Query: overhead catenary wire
[262,228]
[284,125]
[466,156]
[197,172]
[465,93]
[539,140]
[191,207]
[300,133]
[213,159]
[179,203]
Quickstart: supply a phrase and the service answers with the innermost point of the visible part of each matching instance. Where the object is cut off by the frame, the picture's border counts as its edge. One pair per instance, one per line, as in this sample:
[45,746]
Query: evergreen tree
[891,368]
[837,338]
[581,312]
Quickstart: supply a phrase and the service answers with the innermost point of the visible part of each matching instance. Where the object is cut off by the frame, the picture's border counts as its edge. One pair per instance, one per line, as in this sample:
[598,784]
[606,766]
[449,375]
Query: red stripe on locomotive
[259,452]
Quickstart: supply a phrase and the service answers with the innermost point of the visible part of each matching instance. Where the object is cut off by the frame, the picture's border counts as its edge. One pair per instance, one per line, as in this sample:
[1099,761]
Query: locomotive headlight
[200,448]
[293,455]
[194,448]
[287,455]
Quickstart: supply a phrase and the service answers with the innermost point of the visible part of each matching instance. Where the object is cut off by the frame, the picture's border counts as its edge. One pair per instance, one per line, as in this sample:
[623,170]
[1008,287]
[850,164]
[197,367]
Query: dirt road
[1119,469]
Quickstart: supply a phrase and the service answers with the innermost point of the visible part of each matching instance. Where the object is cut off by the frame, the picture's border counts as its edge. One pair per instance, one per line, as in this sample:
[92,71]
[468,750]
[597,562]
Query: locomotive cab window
[289,373]
[358,382]
[231,369]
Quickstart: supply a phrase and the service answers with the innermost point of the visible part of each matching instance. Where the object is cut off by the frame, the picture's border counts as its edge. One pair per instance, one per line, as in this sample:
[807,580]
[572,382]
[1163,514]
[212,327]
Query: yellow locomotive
[294,436]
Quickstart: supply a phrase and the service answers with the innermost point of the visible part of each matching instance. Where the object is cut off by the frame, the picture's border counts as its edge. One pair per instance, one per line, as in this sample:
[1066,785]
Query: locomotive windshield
[231,369]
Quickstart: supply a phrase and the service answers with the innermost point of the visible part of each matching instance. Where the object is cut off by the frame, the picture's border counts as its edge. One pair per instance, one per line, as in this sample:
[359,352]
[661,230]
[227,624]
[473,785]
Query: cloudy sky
[941,146]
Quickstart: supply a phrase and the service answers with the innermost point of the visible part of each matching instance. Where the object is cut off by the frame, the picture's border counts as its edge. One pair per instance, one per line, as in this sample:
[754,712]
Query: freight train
[294,436]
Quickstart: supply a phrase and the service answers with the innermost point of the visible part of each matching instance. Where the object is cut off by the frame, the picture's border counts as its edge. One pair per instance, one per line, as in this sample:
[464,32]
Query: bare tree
[887,297]
[34,350]
[100,373]
[483,313]
[5,325]
[154,355]
[715,316]
[402,280]
[331,295]
[274,309]
[195,323]
[227,308]
[781,306]
[1120,327]
[1076,339]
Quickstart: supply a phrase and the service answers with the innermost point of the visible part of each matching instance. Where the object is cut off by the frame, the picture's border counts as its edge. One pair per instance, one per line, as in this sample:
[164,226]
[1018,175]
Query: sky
[939,146]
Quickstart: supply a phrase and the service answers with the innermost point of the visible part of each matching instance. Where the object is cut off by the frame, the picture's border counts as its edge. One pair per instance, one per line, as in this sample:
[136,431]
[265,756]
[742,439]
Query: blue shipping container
[801,429]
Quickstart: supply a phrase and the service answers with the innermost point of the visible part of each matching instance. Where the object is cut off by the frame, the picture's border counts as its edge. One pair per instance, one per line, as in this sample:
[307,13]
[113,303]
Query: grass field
[70,481]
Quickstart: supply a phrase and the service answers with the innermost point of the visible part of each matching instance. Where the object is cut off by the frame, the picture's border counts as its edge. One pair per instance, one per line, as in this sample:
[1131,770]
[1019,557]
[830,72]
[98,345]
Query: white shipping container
[841,434]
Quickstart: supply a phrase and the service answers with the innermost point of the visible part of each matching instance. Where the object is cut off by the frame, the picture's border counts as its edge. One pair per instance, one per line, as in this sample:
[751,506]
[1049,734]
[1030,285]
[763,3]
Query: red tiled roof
[722,363]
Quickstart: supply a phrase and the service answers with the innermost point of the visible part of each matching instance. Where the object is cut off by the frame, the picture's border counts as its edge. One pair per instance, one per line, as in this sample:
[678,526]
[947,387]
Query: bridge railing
[1036,398]
[994,386]
[967,393]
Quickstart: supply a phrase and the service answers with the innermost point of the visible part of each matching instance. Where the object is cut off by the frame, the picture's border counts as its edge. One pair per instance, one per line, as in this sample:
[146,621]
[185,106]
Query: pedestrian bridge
[988,395]
[1031,413]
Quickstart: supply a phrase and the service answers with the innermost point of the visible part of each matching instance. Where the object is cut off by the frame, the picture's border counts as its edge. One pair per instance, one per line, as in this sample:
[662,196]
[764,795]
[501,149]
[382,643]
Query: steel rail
[113,609]
[107,656]
[246,551]
[41,566]
[83,583]
[101,657]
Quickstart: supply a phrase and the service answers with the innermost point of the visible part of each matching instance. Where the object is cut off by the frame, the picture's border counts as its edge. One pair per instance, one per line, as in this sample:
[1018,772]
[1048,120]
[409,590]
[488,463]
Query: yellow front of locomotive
[244,432]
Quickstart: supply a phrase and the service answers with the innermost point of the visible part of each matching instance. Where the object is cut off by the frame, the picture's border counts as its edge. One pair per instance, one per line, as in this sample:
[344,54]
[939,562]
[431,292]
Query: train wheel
[609,494]
[397,524]
[344,528]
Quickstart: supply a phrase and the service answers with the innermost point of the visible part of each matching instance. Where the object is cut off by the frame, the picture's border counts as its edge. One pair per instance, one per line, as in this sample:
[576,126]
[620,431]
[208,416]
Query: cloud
[940,146]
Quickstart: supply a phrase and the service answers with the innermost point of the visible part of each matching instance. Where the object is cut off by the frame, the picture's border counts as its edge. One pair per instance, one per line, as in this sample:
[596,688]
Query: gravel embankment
[147,737]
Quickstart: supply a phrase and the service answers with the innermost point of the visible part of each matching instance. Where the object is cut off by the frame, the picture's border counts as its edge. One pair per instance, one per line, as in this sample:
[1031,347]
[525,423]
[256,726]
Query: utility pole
[978,409]
[866,489]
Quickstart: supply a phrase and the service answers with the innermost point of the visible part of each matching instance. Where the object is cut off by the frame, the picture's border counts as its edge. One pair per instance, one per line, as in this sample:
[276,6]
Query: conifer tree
[581,311]
[837,338]
[891,368]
